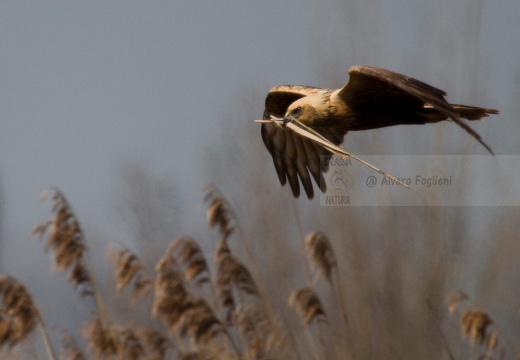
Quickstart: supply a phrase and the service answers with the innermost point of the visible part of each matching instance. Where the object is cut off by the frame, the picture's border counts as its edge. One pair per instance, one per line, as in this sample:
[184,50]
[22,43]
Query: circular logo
[339,180]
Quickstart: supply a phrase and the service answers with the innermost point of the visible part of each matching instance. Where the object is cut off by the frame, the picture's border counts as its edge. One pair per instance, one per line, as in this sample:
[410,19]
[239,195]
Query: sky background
[87,87]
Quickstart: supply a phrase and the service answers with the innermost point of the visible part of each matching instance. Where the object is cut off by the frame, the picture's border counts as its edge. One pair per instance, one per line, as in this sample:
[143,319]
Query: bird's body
[373,98]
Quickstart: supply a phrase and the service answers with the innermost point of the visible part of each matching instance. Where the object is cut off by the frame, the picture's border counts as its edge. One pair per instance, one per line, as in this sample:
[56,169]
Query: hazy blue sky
[87,86]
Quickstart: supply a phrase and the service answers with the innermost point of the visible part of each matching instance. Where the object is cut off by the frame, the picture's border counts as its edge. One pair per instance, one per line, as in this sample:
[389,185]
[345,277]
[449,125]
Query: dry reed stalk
[478,326]
[309,306]
[129,345]
[129,268]
[199,322]
[19,315]
[320,250]
[250,323]
[220,213]
[227,221]
[230,271]
[70,349]
[180,310]
[226,300]
[262,340]
[170,294]
[200,355]
[190,356]
[65,237]
[101,340]
[155,344]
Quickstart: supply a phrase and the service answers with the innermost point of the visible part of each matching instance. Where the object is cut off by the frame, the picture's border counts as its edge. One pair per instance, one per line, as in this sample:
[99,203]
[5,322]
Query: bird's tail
[472,112]
[431,115]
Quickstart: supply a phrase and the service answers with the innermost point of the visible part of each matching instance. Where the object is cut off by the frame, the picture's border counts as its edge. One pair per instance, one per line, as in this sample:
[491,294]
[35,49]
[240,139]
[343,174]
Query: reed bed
[220,309]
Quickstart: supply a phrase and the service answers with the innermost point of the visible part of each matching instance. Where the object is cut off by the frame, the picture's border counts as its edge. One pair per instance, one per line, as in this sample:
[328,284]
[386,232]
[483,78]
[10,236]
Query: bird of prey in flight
[373,98]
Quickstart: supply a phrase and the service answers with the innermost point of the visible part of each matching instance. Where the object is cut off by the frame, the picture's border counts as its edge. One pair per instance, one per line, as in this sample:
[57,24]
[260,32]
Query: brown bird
[373,98]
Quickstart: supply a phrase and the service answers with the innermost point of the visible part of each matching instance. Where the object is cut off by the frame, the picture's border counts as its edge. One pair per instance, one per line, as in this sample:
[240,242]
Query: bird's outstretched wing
[293,155]
[383,98]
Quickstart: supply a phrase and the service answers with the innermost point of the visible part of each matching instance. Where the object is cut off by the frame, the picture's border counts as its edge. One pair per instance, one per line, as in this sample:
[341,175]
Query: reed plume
[190,255]
[226,299]
[225,293]
[319,248]
[170,294]
[130,269]
[18,315]
[250,325]
[190,315]
[182,311]
[231,273]
[199,355]
[218,213]
[101,340]
[70,349]
[65,238]
[308,304]
[226,302]
[263,341]
[190,356]
[155,343]
[476,324]
[199,322]
[129,345]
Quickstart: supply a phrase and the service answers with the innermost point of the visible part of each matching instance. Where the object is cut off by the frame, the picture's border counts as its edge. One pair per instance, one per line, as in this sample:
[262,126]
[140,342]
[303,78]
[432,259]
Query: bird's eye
[297,111]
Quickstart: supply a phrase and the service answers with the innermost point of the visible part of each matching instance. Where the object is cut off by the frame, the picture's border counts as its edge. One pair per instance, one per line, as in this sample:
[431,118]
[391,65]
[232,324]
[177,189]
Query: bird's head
[301,110]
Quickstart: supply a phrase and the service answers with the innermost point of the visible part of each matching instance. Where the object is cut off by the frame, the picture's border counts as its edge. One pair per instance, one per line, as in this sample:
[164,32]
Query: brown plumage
[373,98]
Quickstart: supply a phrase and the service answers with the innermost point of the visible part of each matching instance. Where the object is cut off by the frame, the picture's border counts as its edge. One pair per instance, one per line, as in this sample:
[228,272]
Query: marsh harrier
[373,98]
